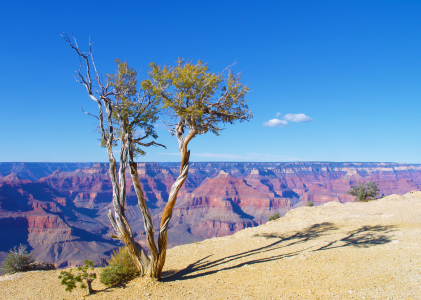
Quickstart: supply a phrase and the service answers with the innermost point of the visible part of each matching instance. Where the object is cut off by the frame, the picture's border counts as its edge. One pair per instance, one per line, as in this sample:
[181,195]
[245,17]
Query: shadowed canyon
[59,210]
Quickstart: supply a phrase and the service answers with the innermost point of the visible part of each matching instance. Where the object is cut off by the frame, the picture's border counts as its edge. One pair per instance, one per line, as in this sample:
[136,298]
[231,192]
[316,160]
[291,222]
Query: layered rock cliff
[39,216]
[60,210]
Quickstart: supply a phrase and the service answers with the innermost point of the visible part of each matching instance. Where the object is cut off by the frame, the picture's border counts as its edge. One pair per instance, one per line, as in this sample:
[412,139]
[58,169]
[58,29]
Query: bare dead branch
[153,143]
[89,113]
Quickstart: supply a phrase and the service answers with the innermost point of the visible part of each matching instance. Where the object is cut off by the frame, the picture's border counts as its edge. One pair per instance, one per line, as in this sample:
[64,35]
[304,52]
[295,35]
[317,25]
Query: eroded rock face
[61,213]
[224,204]
[39,216]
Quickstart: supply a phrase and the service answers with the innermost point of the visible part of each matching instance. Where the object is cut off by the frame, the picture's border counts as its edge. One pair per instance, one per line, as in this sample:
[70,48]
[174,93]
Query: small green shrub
[364,192]
[69,280]
[120,268]
[275,216]
[18,260]
[310,203]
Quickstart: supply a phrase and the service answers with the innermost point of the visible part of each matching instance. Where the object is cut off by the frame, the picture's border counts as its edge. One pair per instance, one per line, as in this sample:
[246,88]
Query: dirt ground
[335,251]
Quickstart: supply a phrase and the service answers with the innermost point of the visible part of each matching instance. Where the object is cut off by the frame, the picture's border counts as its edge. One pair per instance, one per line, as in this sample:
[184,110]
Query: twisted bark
[146,217]
[184,171]
[166,216]
[119,221]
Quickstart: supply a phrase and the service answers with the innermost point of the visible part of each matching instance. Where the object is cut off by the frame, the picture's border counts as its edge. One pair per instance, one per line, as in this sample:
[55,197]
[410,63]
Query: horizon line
[173,162]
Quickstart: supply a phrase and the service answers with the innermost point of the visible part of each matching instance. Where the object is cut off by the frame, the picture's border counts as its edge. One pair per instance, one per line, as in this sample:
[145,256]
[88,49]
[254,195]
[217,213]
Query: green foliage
[275,216]
[364,192]
[201,98]
[134,111]
[120,268]
[310,203]
[17,260]
[69,280]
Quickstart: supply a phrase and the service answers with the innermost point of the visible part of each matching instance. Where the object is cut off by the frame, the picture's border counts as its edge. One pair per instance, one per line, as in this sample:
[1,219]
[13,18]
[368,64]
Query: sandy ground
[335,251]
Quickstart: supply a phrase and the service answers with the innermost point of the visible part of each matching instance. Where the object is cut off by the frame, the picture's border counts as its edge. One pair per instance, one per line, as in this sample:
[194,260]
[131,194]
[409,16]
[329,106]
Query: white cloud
[275,123]
[298,118]
[278,114]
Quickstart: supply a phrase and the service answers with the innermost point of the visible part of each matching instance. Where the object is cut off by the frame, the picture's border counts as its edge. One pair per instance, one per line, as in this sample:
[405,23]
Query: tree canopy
[134,110]
[205,101]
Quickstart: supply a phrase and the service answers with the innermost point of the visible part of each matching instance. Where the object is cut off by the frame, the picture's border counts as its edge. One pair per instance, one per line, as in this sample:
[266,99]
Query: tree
[187,93]
[69,280]
[197,101]
[364,192]
[128,121]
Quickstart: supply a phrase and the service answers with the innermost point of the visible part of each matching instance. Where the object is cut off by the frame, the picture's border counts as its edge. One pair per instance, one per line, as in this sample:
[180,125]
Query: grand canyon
[59,210]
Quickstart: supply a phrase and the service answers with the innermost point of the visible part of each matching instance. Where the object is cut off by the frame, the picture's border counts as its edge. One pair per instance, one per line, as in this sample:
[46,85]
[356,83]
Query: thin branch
[116,237]
[229,67]
[98,79]
[150,144]
[88,113]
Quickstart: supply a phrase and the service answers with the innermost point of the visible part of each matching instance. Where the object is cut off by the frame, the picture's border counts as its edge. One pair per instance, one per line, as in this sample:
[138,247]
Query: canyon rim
[59,210]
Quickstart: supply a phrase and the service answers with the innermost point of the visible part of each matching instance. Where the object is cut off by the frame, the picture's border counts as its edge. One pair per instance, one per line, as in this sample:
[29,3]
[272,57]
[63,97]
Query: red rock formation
[63,216]
[223,205]
[36,215]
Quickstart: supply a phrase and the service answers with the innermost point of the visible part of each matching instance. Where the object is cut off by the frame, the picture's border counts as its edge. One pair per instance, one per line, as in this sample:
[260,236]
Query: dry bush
[275,216]
[120,268]
[18,260]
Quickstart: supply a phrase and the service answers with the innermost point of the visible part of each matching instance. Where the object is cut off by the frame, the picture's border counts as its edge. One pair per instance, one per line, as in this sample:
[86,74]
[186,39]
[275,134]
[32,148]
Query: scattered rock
[42,266]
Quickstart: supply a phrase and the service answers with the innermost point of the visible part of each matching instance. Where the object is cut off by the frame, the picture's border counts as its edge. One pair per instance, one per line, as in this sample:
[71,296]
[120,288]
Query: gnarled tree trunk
[198,111]
[158,254]
[119,221]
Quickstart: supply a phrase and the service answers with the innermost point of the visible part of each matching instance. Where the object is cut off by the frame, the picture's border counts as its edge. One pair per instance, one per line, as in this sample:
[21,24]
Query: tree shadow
[364,237]
[299,237]
[105,290]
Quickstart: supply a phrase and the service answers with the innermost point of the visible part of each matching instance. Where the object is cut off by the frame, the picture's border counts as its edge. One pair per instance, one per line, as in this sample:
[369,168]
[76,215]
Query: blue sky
[352,69]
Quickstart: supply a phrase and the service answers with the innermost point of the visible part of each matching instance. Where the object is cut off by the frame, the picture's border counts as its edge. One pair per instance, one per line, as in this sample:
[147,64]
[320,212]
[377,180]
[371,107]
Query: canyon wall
[59,210]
